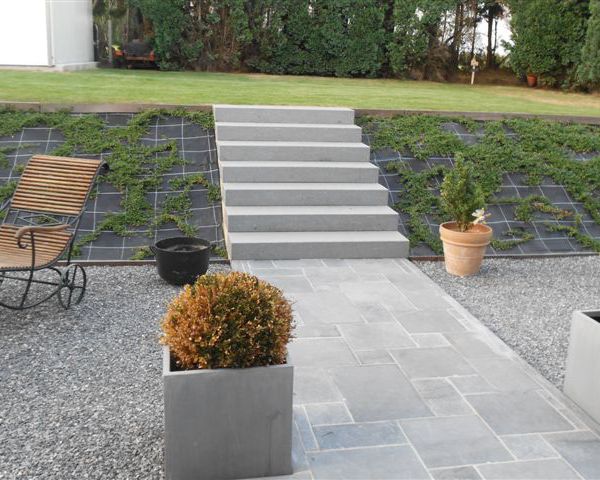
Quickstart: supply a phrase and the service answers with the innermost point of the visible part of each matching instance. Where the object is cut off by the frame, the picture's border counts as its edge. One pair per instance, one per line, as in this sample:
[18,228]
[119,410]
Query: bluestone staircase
[297,183]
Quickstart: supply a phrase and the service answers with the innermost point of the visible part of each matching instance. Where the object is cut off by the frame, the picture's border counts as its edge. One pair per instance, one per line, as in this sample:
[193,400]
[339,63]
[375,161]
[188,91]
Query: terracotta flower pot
[463,251]
[532,80]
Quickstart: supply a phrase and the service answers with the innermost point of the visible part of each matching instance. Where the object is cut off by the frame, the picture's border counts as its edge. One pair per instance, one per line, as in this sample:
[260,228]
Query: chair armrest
[31,230]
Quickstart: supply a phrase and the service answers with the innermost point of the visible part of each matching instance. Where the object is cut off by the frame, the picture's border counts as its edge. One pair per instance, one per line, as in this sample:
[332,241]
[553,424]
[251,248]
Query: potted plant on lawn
[227,388]
[582,376]
[532,80]
[466,237]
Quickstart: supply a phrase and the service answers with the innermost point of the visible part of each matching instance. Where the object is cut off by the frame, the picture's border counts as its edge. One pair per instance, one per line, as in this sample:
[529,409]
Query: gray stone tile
[381,463]
[518,412]
[431,321]
[255,264]
[378,392]
[442,397]
[471,345]
[456,473]
[374,357]
[288,284]
[504,374]
[307,262]
[375,267]
[454,441]
[320,352]
[354,435]
[409,282]
[426,299]
[335,275]
[580,449]
[299,461]
[552,469]
[430,340]
[316,330]
[314,385]
[326,307]
[373,313]
[327,413]
[304,428]
[280,272]
[529,447]
[431,362]
[335,262]
[375,335]
[472,384]
[383,293]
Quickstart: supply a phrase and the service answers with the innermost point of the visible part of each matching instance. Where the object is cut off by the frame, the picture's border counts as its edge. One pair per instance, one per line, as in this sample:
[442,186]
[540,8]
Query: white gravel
[81,390]
[528,303]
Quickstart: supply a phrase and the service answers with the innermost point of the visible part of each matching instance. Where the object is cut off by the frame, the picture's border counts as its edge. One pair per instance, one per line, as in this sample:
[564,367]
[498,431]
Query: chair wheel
[73,284]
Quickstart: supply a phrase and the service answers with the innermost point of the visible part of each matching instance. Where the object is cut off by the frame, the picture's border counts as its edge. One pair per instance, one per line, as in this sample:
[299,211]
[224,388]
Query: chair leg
[73,287]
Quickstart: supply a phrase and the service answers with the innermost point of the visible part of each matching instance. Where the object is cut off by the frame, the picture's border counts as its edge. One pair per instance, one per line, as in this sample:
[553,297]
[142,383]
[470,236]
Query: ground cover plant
[557,164]
[136,168]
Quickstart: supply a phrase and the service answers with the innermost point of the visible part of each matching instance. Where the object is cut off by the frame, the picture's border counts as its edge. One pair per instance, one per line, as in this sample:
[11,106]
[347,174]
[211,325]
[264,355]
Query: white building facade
[47,33]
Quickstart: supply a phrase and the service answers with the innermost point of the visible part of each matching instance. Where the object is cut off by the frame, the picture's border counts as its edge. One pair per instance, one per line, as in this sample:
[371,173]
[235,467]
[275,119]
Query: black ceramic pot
[181,260]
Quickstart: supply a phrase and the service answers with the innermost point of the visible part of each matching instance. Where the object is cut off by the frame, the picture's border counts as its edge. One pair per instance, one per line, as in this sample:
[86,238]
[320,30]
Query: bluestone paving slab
[378,392]
[382,463]
[430,321]
[374,357]
[327,413]
[320,352]
[551,469]
[454,441]
[470,405]
[580,449]
[518,412]
[326,307]
[529,447]
[359,435]
[455,473]
[314,385]
[377,335]
[431,362]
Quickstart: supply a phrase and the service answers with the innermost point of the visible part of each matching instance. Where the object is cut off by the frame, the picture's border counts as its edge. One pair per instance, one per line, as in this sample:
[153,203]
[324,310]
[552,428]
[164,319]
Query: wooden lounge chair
[40,226]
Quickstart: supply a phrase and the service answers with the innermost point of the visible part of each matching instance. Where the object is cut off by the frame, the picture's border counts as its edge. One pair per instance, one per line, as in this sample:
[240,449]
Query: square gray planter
[227,423]
[582,377]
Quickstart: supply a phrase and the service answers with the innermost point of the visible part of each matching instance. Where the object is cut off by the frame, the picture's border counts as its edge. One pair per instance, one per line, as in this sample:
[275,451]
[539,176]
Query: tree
[588,73]
[492,11]
[547,38]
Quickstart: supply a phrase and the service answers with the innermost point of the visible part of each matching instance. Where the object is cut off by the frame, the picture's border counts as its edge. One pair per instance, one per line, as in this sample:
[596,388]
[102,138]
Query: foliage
[229,320]
[547,36]
[134,169]
[588,73]
[460,194]
[535,149]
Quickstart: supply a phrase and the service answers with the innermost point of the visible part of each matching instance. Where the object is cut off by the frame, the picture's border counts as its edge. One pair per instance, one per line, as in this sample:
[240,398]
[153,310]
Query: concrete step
[287,132]
[296,245]
[310,219]
[231,151]
[343,172]
[282,114]
[287,194]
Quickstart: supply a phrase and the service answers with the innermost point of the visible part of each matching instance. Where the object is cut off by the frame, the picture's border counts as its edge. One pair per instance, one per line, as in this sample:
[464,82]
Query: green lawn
[138,86]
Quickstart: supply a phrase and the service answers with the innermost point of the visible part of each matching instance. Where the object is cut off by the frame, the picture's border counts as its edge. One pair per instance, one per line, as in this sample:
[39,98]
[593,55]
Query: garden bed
[541,179]
[163,178]
[528,303]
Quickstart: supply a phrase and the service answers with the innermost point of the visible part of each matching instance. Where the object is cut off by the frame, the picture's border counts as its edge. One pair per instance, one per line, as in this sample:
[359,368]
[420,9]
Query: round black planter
[181,260]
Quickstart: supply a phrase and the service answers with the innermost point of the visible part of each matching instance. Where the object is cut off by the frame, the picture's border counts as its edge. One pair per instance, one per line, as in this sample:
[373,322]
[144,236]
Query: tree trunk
[491,58]
[388,28]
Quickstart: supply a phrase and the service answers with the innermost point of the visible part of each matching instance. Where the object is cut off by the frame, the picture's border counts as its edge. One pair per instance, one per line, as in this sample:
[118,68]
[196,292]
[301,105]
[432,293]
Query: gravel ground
[528,303]
[81,390]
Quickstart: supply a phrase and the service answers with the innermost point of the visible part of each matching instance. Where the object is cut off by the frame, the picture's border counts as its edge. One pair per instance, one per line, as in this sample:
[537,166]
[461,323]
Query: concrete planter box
[227,423]
[582,378]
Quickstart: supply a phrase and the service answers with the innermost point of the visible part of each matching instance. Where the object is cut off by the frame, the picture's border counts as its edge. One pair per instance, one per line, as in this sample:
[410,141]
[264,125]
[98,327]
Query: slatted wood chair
[40,226]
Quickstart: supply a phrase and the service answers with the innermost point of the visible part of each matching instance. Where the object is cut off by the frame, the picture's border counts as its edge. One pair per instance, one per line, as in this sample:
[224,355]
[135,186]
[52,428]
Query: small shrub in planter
[228,390]
[466,237]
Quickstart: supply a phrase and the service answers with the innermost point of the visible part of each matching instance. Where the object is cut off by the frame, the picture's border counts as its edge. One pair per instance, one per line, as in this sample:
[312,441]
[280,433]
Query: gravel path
[81,390]
[528,303]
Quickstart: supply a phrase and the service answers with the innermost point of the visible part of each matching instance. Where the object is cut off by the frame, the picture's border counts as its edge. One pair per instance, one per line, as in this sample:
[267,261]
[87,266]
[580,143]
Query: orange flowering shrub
[231,320]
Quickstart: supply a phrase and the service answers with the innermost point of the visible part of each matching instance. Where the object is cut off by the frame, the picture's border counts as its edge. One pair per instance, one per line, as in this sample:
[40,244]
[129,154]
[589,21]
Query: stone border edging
[137,107]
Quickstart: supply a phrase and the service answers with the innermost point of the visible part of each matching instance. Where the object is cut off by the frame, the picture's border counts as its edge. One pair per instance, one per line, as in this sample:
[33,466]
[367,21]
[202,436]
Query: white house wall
[23,32]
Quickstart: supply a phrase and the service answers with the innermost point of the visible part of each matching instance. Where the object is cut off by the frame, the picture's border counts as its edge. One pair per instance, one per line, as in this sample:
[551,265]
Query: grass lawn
[139,86]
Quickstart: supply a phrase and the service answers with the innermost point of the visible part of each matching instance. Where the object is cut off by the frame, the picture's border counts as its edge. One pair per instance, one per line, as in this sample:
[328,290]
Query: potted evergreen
[227,388]
[466,237]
